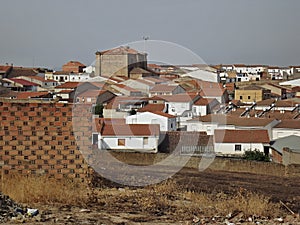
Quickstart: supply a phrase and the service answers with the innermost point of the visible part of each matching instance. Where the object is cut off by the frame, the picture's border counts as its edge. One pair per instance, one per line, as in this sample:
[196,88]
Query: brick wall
[177,140]
[38,138]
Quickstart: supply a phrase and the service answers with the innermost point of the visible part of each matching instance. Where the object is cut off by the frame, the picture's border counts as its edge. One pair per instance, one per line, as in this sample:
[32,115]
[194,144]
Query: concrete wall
[229,148]
[218,164]
[290,157]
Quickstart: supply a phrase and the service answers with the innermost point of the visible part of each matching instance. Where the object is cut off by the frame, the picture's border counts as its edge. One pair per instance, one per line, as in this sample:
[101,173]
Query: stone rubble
[11,211]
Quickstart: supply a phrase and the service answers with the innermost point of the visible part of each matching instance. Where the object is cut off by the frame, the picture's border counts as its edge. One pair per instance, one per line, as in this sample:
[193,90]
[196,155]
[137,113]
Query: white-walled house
[166,89]
[211,122]
[128,137]
[236,142]
[166,121]
[286,128]
[204,106]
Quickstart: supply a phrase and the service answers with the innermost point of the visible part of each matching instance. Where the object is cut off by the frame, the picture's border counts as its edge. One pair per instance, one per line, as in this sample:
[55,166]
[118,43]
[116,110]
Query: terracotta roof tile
[204,101]
[152,108]
[130,130]
[24,82]
[68,85]
[234,120]
[26,95]
[241,136]
[74,63]
[291,124]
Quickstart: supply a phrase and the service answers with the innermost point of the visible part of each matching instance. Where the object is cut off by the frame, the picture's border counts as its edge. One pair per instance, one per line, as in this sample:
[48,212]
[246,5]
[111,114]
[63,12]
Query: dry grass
[169,198]
[166,198]
[41,189]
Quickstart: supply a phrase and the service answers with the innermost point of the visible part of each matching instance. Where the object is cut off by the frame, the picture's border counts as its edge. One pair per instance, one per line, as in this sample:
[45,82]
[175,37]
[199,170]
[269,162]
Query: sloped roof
[164,88]
[291,124]
[68,85]
[74,63]
[5,68]
[42,79]
[152,108]
[26,95]
[186,97]
[24,82]
[233,120]
[291,142]
[252,87]
[122,50]
[204,101]
[20,71]
[138,70]
[130,130]
[163,114]
[241,136]
[91,93]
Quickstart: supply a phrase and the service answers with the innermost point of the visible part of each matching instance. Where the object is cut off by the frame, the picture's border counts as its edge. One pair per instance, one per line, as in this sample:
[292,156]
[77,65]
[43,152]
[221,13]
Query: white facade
[62,78]
[284,132]
[129,143]
[204,75]
[166,123]
[231,148]
[178,108]
[202,110]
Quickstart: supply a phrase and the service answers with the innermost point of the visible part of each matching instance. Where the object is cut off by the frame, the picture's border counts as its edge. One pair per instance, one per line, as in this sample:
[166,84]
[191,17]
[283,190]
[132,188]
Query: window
[121,142]
[249,97]
[241,97]
[238,147]
[145,140]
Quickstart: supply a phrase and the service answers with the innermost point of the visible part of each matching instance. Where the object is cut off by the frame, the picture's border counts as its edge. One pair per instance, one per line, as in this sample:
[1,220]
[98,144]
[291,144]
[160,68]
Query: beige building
[251,94]
[119,61]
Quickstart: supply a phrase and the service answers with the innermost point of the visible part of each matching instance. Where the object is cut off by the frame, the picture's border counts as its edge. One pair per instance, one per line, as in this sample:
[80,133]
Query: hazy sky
[51,32]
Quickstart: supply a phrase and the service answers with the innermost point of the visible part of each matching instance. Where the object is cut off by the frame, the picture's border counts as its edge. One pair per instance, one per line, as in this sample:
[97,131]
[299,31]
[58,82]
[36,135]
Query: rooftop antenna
[145,38]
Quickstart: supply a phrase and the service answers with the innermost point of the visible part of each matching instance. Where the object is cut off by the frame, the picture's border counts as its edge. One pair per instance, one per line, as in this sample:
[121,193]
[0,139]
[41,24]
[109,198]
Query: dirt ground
[278,189]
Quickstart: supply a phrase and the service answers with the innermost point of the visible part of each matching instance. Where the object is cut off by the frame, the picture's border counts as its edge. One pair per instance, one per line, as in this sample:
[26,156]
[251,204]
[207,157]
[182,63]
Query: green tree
[256,156]
[99,110]
[132,112]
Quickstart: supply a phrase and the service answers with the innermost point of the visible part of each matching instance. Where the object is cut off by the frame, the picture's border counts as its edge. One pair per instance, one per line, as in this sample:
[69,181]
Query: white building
[211,122]
[166,121]
[204,106]
[286,128]
[129,137]
[236,142]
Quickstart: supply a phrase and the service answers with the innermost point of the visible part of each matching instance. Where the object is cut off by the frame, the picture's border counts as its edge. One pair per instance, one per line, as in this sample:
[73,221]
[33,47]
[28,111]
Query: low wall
[218,164]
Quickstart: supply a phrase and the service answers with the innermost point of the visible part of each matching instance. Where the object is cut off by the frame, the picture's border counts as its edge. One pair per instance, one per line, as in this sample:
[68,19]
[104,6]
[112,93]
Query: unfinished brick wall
[176,140]
[38,138]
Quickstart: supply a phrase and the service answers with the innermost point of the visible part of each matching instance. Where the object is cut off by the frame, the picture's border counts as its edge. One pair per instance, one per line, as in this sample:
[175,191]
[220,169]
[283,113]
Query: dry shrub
[42,189]
[248,203]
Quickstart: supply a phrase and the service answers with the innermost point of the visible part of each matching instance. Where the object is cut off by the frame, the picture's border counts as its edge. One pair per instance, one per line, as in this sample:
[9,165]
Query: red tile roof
[20,71]
[164,114]
[74,63]
[241,136]
[68,85]
[291,124]
[234,120]
[130,130]
[23,82]
[177,98]
[163,88]
[204,101]
[5,68]
[26,95]
[42,79]
[91,93]
[119,51]
[152,108]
